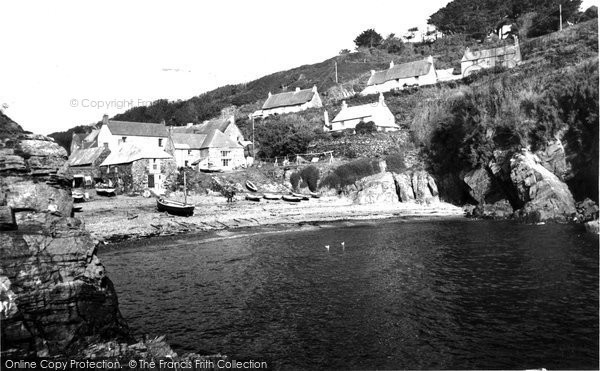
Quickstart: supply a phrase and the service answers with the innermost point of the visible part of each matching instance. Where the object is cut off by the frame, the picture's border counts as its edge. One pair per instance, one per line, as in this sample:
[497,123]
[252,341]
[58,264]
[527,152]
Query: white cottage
[377,112]
[288,102]
[417,73]
[114,133]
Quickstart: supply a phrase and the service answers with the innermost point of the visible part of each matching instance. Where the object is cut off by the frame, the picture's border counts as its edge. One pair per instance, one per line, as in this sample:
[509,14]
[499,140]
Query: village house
[377,112]
[134,168]
[288,102]
[417,73]
[114,133]
[507,56]
[218,142]
[83,141]
[84,165]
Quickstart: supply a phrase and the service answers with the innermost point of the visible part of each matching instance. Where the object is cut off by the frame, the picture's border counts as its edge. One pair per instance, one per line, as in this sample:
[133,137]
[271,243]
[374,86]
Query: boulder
[553,158]
[592,227]
[378,188]
[498,210]
[404,187]
[479,183]
[422,187]
[544,195]
[586,210]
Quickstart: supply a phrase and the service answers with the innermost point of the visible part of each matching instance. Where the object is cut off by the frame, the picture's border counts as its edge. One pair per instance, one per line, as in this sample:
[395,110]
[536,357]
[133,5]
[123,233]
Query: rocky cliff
[55,298]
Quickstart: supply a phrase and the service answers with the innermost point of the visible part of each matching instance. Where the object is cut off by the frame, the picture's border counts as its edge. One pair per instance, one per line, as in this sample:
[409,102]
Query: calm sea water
[400,294]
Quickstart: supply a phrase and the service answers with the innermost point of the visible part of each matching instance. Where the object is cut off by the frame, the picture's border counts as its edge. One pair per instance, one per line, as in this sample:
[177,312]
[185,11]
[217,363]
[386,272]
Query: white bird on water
[327,247]
[343,245]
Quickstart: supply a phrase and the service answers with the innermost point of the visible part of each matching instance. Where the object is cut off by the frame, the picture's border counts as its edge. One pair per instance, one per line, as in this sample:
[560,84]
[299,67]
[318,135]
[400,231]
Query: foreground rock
[387,187]
[55,296]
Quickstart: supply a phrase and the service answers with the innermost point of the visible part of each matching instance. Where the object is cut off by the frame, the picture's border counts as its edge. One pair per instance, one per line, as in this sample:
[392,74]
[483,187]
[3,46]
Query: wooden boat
[301,196]
[314,195]
[211,168]
[109,192]
[251,197]
[174,207]
[271,196]
[290,198]
[251,186]
[78,197]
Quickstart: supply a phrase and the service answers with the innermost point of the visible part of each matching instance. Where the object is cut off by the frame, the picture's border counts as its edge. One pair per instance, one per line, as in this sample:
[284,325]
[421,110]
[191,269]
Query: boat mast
[184,188]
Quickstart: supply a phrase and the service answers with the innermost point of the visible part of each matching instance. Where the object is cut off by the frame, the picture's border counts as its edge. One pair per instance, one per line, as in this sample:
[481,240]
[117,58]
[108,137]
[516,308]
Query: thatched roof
[140,129]
[401,71]
[292,98]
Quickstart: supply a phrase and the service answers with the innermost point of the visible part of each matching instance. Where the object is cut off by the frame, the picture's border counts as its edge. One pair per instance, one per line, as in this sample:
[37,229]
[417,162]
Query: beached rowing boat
[290,198]
[271,196]
[251,197]
[175,207]
[251,186]
[301,196]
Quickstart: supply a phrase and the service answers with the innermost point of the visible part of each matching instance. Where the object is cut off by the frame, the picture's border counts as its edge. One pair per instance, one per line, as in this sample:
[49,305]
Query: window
[160,142]
[186,163]
[225,153]
[225,162]
[154,164]
[189,151]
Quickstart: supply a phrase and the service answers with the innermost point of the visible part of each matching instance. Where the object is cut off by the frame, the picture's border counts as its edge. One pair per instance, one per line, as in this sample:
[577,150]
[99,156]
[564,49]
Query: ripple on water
[407,294]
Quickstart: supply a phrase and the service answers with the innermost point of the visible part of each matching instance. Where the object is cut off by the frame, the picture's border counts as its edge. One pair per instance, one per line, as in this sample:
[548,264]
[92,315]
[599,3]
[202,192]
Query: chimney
[232,119]
[105,120]
[391,64]
[297,89]
[430,59]
[344,104]
[270,94]
[314,88]
[189,124]
[381,98]
[372,72]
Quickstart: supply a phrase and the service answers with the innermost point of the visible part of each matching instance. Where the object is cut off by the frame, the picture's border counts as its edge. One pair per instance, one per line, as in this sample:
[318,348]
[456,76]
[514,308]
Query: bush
[395,162]
[310,176]
[295,179]
[349,173]
[366,127]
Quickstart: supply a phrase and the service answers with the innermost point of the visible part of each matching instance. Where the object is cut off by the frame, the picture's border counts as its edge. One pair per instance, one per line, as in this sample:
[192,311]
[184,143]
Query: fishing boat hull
[108,192]
[301,196]
[255,198]
[314,195]
[174,207]
[290,198]
[270,196]
[251,186]
[78,197]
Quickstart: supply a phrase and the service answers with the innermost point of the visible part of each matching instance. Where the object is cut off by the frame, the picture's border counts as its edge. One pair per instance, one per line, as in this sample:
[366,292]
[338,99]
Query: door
[150,180]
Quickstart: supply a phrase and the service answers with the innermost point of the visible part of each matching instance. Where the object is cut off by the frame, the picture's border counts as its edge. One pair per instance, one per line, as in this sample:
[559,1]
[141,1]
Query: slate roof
[205,128]
[85,157]
[141,129]
[216,139]
[127,153]
[188,140]
[292,98]
[401,71]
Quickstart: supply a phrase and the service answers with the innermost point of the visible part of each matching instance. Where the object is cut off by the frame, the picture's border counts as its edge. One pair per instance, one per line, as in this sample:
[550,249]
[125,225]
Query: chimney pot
[270,94]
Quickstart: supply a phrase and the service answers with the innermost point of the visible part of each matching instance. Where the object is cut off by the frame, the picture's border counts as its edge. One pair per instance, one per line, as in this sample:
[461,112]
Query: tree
[393,44]
[368,39]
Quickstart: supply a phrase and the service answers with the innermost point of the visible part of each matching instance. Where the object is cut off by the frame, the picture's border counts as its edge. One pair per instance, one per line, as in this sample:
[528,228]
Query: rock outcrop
[409,186]
[55,296]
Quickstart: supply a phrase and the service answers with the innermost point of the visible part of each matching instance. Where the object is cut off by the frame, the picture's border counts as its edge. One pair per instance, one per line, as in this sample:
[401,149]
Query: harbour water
[442,294]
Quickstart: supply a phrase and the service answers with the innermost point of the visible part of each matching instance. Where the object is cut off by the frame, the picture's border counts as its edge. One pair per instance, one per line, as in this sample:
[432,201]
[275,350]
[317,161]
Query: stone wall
[55,296]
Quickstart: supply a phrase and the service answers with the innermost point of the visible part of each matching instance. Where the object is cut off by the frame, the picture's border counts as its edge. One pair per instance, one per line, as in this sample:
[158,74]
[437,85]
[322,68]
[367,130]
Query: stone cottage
[133,168]
[219,151]
[377,112]
[417,73]
[507,56]
[288,102]
[84,165]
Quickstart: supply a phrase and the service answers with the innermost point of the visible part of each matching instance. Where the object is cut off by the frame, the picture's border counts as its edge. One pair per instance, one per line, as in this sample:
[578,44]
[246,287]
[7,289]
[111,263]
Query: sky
[67,63]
